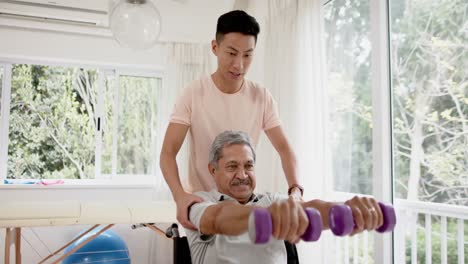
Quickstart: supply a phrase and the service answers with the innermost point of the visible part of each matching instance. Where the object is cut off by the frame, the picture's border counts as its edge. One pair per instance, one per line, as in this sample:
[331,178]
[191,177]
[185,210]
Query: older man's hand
[296,194]
[289,220]
[366,213]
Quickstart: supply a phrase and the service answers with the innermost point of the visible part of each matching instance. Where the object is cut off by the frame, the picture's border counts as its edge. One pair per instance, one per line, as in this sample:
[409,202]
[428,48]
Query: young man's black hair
[236,21]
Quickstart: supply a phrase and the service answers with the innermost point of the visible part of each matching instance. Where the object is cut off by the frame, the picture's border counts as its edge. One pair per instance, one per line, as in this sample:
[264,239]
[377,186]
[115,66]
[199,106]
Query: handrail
[440,209]
[448,210]
[444,211]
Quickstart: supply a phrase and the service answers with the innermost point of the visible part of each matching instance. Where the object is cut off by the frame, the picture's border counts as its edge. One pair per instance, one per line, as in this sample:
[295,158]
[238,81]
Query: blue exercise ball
[107,248]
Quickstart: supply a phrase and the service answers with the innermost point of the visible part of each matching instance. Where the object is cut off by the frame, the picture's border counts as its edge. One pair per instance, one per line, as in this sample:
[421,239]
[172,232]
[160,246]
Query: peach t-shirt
[208,112]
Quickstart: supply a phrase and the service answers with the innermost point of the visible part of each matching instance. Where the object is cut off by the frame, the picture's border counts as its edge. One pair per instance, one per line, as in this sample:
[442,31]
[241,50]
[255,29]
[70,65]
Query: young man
[224,100]
[222,219]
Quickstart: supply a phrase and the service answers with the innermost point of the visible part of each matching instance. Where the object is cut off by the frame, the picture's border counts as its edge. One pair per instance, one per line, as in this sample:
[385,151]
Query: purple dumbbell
[261,226]
[315,227]
[340,218]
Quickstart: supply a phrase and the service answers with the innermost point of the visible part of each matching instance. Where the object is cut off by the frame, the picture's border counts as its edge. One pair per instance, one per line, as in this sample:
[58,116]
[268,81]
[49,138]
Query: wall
[73,48]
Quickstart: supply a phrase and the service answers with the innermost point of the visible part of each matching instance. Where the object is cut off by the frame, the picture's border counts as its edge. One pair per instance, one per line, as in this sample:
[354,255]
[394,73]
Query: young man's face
[234,53]
[235,175]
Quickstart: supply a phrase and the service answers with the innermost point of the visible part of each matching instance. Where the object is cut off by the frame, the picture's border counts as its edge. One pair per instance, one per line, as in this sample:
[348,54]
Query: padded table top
[59,213]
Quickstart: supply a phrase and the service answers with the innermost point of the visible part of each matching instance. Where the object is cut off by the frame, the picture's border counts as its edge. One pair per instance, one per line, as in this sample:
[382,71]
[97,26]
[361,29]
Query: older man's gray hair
[225,139]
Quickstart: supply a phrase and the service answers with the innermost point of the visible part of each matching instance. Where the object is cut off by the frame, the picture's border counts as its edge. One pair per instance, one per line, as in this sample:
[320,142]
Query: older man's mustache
[237,182]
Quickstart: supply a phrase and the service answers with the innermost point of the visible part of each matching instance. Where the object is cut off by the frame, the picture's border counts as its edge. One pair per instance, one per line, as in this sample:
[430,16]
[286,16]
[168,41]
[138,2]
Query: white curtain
[294,73]
[184,62]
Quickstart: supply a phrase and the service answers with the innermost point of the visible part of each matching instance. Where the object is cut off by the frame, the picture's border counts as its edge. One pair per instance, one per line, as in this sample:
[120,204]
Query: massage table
[17,215]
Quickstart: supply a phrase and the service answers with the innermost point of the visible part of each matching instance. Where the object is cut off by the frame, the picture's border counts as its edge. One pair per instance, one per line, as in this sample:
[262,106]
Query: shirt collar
[224,197]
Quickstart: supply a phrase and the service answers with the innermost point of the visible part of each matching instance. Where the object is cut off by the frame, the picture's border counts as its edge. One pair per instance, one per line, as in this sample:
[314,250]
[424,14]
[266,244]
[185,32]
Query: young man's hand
[289,220]
[184,201]
[366,213]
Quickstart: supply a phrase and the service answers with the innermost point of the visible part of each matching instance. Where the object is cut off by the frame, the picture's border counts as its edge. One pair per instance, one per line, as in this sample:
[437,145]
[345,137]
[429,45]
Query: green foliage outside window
[137,125]
[347,28]
[430,102]
[137,135]
[452,244]
[429,58]
[52,123]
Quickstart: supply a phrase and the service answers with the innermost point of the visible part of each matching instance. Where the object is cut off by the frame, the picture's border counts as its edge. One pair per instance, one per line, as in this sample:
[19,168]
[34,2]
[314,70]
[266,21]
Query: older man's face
[235,175]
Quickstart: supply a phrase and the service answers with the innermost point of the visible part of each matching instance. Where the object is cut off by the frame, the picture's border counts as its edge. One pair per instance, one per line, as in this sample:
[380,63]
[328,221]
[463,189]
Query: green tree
[429,58]
[137,128]
[348,60]
[52,122]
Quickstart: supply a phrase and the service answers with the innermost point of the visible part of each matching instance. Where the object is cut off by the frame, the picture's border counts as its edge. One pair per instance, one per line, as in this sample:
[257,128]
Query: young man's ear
[214,46]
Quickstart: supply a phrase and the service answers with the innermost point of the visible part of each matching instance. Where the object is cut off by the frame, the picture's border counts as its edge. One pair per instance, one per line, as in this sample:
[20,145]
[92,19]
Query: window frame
[117,74]
[103,69]
[4,125]
[382,152]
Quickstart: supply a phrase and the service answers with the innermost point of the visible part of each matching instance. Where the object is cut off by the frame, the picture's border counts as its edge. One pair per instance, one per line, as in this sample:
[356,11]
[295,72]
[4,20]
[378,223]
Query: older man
[222,218]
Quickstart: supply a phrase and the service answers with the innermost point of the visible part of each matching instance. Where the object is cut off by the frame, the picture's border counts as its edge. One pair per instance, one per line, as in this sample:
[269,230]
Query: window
[3,94]
[429,55]
[52,122]
[348,48]
[348,62]
[430,91]
[64,122]
[134,148]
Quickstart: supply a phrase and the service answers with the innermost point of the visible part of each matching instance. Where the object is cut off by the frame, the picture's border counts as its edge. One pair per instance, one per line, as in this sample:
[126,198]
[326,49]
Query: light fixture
[135,24]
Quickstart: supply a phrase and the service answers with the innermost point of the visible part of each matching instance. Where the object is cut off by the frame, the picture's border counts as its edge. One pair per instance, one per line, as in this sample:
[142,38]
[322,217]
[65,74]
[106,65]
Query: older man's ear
[211,169]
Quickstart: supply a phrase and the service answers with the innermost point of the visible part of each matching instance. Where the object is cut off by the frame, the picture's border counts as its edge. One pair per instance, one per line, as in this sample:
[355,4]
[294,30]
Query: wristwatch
[296,186]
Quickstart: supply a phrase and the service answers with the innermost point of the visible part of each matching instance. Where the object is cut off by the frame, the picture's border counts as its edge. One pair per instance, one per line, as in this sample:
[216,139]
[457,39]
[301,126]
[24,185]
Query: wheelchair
[182,255]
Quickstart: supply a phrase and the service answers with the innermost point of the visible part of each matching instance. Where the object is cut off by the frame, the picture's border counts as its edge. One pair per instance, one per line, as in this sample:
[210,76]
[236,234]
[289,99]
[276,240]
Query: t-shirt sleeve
[197,210]
[200,244]
[182,112]
[271,117]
